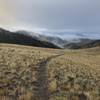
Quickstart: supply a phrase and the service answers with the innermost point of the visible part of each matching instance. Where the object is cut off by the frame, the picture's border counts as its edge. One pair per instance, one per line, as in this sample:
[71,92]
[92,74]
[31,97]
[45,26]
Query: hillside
[43,37]
[31,73]
[23,39]
[83,43]
[40,40]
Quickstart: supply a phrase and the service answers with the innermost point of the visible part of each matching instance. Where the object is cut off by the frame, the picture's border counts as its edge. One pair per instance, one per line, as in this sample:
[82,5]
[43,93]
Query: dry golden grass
[72,75]
[77,75]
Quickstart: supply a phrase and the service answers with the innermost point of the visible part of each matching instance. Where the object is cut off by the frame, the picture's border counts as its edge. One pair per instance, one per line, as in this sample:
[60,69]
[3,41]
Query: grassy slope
[30,72]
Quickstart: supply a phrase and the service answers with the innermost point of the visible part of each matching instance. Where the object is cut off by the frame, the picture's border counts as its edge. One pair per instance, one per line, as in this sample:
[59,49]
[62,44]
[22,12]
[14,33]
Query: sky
[52,16]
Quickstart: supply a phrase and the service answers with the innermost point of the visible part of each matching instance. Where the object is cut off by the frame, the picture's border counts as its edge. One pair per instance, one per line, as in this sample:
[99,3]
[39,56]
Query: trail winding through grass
[42,79]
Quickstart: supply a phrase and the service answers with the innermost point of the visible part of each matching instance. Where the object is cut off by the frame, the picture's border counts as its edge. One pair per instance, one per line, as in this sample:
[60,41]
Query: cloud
[70,15]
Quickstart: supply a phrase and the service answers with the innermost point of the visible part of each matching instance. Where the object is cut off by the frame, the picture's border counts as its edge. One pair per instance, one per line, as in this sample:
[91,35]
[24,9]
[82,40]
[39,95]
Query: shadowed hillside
[22,39]
[83,43]
[38,40]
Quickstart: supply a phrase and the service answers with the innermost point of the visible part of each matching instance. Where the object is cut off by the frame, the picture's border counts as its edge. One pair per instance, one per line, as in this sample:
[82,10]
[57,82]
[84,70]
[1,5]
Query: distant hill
[23,39]
[40,40]
[83,43]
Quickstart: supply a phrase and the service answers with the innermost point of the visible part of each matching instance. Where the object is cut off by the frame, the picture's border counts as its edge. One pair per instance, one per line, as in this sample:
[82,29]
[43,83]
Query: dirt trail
[42,79]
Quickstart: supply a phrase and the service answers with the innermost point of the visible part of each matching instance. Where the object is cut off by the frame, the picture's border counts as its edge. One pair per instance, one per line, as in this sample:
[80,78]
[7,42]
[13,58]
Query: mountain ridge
[46,41]
[23,39]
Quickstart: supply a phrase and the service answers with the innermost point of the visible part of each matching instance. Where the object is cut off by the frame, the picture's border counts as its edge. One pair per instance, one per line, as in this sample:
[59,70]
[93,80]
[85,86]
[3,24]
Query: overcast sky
[53,15]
